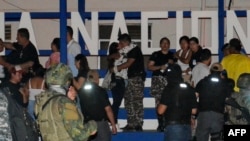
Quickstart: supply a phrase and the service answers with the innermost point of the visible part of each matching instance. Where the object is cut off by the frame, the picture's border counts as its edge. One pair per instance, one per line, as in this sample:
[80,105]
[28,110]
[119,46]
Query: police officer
[157,64]
[95,105]
[57,115]
[178,104]
[212,92]
[133,96]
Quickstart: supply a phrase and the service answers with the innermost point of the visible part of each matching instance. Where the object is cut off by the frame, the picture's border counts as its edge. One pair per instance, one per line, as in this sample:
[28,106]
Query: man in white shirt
[73,49]
[202,68]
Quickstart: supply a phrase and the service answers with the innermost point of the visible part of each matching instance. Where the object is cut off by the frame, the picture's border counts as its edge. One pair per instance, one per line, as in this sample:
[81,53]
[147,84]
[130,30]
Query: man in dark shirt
[95,105]
[136,76]
[196,52]
[212,92]
[23,53]
[178,104]
[157,64]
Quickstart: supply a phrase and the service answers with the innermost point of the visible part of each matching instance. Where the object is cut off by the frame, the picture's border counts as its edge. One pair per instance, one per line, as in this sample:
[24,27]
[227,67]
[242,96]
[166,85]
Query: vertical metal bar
[81,10]
[63,31]
[221,24]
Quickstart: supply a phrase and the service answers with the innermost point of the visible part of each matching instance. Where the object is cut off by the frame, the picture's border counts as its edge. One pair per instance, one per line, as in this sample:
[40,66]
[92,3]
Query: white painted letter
[233,24]
[77,24]
[144,29]
[179,27]
[2,29]
[119,23]
[214,25]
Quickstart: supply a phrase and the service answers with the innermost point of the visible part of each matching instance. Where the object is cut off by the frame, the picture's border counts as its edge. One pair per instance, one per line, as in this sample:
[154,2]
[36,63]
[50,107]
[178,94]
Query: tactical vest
[49,120]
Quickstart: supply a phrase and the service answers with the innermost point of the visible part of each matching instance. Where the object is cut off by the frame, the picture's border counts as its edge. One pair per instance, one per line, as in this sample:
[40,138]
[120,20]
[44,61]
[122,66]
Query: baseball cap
[216,67]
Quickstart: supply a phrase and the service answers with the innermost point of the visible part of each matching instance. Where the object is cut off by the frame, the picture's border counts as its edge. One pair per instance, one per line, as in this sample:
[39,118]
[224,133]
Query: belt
[176,122]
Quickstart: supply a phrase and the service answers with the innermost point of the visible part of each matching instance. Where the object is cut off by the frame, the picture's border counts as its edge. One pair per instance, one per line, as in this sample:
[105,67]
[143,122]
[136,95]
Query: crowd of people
[65,102]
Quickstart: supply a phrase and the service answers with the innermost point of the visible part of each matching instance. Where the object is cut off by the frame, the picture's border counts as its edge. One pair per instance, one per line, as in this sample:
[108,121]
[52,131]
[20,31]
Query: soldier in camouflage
[242,98]
[57,115]
[5,131]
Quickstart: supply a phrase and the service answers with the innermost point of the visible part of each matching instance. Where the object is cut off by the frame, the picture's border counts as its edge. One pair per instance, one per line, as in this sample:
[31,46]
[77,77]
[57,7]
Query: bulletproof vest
[49,120]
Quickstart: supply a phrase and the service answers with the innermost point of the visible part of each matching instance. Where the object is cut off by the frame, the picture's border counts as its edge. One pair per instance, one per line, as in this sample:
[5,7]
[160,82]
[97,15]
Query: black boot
[161,123]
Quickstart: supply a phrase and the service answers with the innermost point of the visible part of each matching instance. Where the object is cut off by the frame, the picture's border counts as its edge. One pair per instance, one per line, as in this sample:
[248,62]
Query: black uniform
[213,91]
[159,81]
[93,100]
[195,58]
[180,99]
[160,59]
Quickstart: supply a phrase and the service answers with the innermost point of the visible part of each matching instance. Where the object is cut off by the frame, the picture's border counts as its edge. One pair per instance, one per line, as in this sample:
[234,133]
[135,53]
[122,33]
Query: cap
[216,67]
[124,37]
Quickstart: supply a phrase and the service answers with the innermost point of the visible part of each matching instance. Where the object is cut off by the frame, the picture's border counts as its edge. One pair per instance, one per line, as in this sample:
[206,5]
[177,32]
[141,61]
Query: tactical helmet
[59,74]
[243,81]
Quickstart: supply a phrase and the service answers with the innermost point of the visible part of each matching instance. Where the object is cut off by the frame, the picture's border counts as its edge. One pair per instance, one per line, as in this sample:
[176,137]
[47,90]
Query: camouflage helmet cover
[59,74]
[243,81]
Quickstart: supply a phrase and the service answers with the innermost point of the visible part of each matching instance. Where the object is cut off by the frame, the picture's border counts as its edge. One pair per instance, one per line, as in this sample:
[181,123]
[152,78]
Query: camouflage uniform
[134,101]
[60,120]
[242,98]
[158,84]
[5,131]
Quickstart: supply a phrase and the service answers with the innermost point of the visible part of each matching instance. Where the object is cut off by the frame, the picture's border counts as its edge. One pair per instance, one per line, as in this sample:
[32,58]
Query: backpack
[48,118]
[23,127]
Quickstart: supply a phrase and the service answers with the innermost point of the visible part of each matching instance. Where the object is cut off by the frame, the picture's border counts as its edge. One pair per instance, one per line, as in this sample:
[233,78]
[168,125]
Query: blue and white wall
[170,18]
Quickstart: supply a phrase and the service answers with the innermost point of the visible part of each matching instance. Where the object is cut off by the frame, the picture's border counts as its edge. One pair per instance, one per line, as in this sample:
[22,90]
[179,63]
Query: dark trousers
[117,94]
[209,123]
[178,132]
[103,132]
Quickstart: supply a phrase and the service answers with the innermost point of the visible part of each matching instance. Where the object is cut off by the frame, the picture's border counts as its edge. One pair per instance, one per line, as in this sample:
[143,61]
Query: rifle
[245,113]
